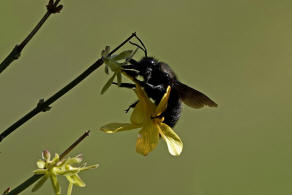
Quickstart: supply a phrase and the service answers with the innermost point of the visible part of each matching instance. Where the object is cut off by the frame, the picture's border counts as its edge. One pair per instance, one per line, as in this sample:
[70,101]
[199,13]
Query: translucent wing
[192,97]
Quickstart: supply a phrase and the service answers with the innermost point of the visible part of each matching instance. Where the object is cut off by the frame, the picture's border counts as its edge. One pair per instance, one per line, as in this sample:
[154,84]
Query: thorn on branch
[53,7]
[6,191]
[42,106]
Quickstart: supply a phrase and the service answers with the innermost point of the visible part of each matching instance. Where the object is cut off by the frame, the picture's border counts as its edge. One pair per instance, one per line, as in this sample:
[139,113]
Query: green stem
[16,52]
[44,105]
[34,178]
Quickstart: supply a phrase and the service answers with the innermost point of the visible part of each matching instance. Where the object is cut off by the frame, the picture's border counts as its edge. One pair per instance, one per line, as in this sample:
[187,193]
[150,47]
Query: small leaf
[56,185]
[114,66]
[108,84]
[123,55]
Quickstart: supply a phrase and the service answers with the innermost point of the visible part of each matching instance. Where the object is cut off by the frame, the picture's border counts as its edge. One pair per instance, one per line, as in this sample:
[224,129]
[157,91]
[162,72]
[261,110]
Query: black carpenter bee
[157,76]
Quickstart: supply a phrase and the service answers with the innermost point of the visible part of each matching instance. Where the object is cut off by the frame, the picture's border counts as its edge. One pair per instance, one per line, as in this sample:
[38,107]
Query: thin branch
[43,105]
[34,178]
[52,8]
[72,146]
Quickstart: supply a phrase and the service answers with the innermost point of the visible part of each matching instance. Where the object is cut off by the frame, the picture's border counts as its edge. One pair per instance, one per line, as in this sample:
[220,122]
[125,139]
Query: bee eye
[152,62]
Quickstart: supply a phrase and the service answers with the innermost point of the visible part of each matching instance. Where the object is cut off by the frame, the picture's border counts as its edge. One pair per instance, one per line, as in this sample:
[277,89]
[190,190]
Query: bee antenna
[145,50]
[137,46]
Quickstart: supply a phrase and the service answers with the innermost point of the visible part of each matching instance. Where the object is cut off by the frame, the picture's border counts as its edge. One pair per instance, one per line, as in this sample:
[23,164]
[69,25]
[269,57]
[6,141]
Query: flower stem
[44,105]
[35,177]
[52,8]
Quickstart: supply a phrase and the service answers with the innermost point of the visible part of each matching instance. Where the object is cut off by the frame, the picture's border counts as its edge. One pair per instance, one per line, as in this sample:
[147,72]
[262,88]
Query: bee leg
[154,88]
[133,62]
[131,73]
[125,85]
[131,106]
[131,66]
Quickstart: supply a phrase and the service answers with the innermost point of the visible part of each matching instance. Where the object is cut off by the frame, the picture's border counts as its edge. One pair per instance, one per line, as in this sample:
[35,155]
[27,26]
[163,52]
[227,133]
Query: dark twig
[45,105]
[52,8]
[72,146]
[34,178]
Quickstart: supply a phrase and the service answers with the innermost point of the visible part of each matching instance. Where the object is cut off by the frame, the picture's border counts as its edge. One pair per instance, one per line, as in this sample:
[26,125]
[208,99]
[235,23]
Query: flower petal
[68,171]
[174,143]
[115,127]
[108,84]
[142,96]
[78,181]
[138,114]
[55,159]
[70,179]
[39,183]
[41,164]
[56,185]
[74,160]
[163,102]
[89,167]
[46,155]
[147,138]
[105,52]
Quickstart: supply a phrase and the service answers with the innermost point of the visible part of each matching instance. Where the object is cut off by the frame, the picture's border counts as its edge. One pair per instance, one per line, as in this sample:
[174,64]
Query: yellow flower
[146,115]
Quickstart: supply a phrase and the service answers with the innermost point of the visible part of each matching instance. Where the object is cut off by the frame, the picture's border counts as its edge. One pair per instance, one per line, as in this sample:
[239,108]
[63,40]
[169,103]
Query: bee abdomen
[173,110]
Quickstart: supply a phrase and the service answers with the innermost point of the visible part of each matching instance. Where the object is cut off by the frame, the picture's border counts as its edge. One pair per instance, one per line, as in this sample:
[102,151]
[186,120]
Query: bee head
[147,66]
[148,62]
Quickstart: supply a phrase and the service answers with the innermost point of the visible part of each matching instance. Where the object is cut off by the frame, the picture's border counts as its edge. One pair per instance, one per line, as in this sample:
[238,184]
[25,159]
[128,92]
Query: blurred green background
[237,52]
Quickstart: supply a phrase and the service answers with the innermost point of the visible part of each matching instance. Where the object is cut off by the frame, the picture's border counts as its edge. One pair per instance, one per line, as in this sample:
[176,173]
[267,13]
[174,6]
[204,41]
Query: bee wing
[192,97]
